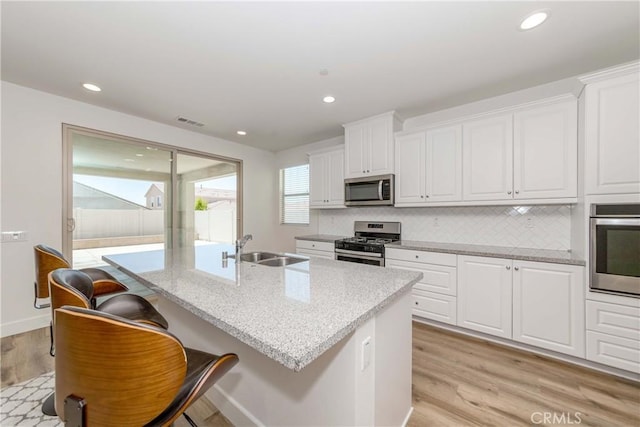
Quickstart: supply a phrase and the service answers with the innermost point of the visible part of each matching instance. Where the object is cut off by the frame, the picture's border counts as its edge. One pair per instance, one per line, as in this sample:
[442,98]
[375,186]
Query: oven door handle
[359,254]
[616,221]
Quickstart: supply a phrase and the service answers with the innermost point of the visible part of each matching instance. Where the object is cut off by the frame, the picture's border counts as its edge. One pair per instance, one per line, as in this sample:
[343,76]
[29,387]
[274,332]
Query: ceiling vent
[189,121]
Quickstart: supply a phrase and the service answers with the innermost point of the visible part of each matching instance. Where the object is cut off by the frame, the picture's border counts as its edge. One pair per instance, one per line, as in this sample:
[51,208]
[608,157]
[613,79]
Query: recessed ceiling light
[91,87]
[139,155]
[129,160]
[534,19]
[328,99]
[241,132]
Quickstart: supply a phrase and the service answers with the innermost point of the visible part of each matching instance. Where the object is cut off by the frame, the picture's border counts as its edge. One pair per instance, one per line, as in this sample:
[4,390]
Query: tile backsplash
[536,227]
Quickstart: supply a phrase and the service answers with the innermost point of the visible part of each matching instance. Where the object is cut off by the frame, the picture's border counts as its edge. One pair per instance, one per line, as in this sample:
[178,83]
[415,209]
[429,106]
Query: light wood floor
[460,381]
[457,381]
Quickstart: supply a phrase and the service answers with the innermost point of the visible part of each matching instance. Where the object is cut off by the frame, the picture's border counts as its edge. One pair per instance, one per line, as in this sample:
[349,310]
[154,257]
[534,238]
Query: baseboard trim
[25,325]
[230,408]
[406,419]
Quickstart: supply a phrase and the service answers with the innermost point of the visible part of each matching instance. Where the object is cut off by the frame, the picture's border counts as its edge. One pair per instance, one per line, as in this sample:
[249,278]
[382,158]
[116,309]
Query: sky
[134,190]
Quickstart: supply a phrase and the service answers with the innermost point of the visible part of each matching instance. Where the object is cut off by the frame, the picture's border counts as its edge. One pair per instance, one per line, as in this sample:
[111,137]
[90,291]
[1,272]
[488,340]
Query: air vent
[189,121]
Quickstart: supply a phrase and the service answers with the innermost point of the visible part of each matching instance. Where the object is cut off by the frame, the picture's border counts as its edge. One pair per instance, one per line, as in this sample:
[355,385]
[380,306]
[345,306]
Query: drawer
[420,256]
[436,278]
[430,305]
[312,252]
[318,246]
[613,351]
[612,319]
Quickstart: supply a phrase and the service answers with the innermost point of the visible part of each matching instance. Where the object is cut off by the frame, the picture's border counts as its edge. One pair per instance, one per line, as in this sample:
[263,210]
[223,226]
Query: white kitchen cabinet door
[545,152]
[548,306]
[317,180]
[487,151]
[443,170]
[355,137]
[484,295]
[379,158]
[410,166]
[434,306]
[612,136]
[335,178]
[326,182]
[369,146]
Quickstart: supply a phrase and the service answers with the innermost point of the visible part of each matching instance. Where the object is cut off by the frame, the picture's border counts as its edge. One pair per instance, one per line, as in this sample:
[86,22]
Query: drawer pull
[417,303]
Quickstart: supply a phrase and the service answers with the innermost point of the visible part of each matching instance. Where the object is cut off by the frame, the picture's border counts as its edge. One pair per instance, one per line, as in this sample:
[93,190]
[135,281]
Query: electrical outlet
[530,223]
[14,236]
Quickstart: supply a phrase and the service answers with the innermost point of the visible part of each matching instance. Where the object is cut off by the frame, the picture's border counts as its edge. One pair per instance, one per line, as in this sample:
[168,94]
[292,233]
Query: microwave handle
[380,189]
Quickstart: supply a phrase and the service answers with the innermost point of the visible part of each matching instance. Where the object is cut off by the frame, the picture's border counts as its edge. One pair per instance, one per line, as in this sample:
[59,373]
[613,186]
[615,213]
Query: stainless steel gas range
[367,247]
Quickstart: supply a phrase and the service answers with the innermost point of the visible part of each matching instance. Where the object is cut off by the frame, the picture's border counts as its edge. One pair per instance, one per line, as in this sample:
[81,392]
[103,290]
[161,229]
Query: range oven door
[615,255]
[360,259]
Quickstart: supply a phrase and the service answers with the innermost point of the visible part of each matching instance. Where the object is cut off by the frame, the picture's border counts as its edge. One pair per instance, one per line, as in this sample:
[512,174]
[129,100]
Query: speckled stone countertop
[291,314]
[540,255]
[322,238]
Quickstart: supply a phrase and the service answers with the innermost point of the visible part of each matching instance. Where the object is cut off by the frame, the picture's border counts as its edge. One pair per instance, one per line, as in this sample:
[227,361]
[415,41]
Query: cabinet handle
[508,267]
[417,256]
[427,196]
[509,192]
[516,268]
[364,171]
[422,197]
[313,246]
[517,191]
[417,303]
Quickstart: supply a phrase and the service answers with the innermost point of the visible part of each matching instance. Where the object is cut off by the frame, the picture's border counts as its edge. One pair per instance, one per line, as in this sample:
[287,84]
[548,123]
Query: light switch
[14,236]
[366,353]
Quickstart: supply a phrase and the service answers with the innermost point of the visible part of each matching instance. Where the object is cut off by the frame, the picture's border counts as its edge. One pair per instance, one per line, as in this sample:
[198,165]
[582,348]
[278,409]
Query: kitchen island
[320,342]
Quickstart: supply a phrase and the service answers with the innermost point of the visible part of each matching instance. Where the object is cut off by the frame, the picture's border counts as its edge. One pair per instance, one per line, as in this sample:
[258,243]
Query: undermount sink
[281,261]
[270,259]
[257,256]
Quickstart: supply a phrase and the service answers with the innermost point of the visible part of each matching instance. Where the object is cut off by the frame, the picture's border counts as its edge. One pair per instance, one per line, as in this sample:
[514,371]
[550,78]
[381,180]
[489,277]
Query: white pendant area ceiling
[265,67]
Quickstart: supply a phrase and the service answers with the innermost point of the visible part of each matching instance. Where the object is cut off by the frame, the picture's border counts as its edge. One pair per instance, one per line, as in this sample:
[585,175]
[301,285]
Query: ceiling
[259,66]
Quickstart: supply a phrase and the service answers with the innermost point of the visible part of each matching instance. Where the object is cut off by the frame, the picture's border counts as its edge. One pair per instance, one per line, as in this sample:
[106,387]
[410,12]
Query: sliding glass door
[126,195]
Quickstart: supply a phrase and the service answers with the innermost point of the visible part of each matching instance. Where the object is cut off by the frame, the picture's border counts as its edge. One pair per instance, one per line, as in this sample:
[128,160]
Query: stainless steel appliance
[369,191]
[614,253]
[367,247]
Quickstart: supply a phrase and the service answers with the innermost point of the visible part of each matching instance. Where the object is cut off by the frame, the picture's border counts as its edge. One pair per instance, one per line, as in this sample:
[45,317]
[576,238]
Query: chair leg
[52,348]
[49,405]
[189,420]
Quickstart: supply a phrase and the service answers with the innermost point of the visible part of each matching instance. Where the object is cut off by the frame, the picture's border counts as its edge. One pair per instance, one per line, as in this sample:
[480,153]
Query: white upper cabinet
[531,154]
[545,152]
[488,158]
[369,146]
[612,140]
[429,166]
[326,178]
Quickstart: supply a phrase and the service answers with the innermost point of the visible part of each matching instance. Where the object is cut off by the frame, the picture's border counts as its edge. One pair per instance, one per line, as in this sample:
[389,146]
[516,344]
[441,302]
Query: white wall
[31,184]
[293,157]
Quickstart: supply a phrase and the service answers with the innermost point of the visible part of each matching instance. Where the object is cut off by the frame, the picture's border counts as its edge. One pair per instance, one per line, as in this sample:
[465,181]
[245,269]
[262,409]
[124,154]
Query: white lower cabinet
[548,306]
[613,335]
[484,294]
[434,297]
[315,248]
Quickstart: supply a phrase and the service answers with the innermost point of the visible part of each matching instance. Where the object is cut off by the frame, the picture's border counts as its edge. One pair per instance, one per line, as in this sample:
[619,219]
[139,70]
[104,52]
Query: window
[294,199]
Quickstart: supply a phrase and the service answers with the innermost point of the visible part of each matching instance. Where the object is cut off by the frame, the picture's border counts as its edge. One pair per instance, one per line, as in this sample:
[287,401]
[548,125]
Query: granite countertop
[322,238]
[291,314]
[540,255]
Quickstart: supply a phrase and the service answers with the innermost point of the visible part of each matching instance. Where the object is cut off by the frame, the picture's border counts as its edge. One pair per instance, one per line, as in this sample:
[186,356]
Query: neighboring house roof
[155,190]
[87,197]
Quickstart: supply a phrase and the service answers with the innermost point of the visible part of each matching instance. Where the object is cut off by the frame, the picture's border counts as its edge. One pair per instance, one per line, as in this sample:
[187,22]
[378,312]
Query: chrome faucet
[240,244]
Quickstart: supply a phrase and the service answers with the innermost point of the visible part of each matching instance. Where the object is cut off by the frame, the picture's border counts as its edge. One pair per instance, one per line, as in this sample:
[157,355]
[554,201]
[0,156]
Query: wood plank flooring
[457,381]
[464,381]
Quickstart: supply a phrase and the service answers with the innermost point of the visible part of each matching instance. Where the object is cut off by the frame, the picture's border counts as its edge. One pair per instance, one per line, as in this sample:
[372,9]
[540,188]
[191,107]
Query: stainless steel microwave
[614,253]
[369,191]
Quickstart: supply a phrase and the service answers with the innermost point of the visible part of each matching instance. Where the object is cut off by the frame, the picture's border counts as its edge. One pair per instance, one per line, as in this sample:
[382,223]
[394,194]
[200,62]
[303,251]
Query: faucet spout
[240,244]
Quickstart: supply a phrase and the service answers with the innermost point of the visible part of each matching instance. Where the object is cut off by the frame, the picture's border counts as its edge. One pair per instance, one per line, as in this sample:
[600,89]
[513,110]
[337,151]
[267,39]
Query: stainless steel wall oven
[614,253]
